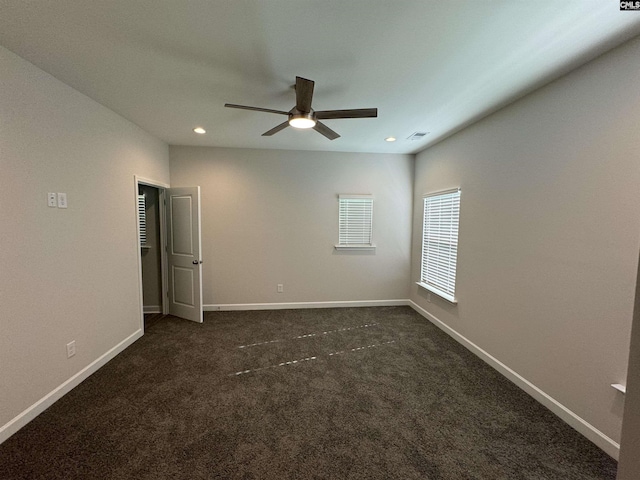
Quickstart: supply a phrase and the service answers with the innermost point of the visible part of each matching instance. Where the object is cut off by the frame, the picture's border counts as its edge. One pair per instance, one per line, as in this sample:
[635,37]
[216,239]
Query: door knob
[196,262]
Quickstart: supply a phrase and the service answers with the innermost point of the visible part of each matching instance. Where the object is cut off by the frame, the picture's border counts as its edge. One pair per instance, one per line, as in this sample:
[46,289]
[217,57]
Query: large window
[440,243]
[355,221]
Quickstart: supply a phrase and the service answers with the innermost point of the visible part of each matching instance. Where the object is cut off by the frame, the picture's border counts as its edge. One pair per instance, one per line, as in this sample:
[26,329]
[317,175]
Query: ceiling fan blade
[326,131]
[304,94]
[274,130]
[256,109]
[355,113]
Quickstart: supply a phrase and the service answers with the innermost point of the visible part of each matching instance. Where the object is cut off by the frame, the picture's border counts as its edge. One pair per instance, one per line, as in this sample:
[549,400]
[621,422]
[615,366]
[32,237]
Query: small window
[355,222]
[440,243]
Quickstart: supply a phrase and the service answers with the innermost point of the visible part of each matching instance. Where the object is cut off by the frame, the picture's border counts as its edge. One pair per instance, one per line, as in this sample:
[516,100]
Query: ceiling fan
[303,116]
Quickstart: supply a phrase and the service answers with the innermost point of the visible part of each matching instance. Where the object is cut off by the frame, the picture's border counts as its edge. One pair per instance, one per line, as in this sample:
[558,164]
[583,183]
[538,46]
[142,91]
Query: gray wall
[271,216]
[549,233]
[67,274]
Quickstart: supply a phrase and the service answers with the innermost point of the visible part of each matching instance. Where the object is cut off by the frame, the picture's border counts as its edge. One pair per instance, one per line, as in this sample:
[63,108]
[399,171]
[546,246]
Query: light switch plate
[71,349]
[62,200]
[52,199]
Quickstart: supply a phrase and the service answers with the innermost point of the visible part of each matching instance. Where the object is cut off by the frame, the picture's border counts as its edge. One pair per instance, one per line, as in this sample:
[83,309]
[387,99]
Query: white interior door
[184,252]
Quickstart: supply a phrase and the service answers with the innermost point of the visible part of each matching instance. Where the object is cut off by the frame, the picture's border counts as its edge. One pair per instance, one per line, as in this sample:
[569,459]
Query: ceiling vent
[417,135]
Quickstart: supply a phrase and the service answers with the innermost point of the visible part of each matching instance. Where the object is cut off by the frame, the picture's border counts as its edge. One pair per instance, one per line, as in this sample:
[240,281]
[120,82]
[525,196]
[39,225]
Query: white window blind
[142,219]
[440,243]
[355,218]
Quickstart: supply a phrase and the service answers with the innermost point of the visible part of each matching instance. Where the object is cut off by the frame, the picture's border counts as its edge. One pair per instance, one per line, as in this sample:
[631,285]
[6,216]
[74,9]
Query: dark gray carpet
[362,393]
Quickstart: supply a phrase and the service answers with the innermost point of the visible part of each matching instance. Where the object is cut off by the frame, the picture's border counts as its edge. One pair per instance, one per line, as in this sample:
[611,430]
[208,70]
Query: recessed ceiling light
[200,130]
[390,139]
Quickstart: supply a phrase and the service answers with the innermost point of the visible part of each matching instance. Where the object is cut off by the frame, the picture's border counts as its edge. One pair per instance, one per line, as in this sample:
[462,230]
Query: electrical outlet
[280,288]
[52,199]
[62,200]
[71,349]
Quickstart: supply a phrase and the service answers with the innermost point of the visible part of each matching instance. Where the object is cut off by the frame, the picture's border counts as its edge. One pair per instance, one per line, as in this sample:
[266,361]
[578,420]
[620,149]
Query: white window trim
[353,246]
[369,247]
[432,288]
[440,293]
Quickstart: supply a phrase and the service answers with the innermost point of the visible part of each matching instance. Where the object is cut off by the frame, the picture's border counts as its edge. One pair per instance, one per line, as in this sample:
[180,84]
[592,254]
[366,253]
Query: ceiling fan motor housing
[300,119]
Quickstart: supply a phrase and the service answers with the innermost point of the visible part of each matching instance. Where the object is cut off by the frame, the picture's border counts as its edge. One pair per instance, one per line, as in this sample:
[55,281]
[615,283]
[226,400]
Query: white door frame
[163,242]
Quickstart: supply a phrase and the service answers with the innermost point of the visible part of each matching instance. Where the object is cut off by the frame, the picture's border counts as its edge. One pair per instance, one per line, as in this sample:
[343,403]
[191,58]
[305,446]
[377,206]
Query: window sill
[355,247]
[440,293]
[621,388]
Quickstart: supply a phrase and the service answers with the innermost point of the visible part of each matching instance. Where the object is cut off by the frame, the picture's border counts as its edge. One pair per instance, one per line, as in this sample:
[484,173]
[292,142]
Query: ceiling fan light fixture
[302,120]
[304,117]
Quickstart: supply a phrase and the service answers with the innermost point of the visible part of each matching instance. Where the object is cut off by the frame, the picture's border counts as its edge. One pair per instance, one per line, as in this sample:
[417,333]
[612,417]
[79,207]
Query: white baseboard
[45,402]
[607,444]
[152,309]
[299,305]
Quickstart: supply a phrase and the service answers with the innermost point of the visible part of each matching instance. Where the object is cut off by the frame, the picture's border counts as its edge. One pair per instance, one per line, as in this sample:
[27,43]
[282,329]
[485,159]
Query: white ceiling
[427,65]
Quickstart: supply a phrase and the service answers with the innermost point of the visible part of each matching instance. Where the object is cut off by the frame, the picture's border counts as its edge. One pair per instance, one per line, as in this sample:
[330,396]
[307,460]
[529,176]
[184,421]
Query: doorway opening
[169,250]
[151,247]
